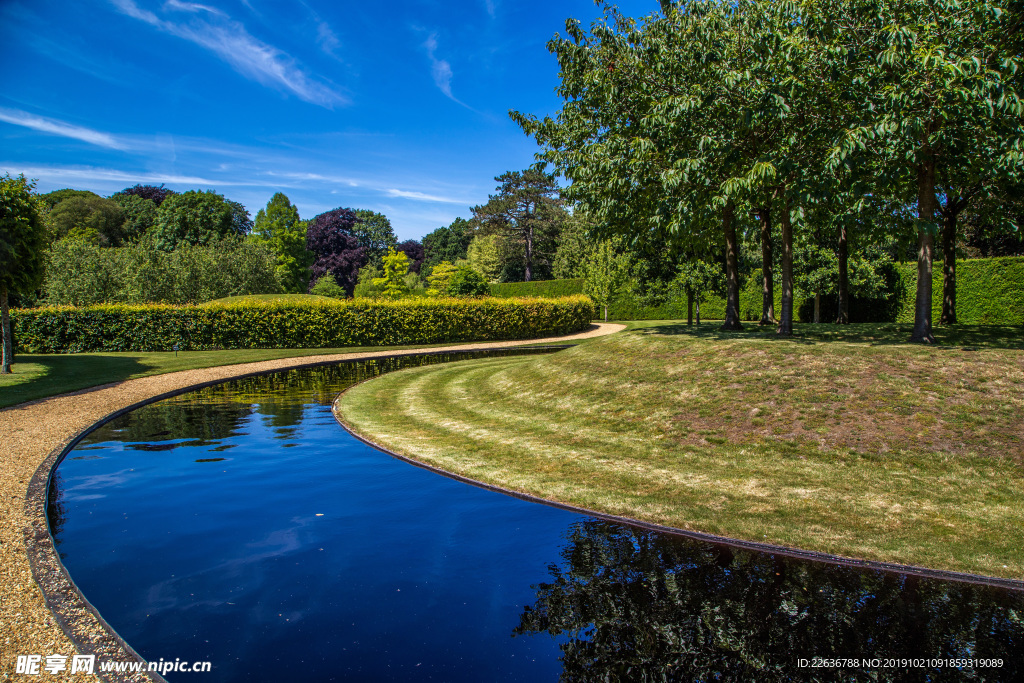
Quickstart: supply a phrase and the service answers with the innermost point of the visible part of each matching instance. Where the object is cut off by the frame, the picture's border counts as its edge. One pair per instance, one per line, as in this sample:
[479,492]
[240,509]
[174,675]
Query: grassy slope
[859,446]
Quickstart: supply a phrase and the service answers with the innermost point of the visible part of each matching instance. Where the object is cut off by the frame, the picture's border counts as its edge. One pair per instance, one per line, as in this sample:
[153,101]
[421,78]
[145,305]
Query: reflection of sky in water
[305,554]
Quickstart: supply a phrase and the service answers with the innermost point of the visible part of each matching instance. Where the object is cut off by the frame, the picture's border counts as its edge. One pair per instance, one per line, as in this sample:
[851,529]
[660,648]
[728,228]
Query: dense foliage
[374,233]
[414,250]
[318,324]
[331,238]
[22,240]
[94,219]
[194,217]
[683,124]
[279,228]
[81,273]
[447,243]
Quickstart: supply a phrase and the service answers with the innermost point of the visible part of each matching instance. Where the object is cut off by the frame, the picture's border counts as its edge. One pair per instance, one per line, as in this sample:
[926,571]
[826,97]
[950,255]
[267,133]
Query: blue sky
[398,107]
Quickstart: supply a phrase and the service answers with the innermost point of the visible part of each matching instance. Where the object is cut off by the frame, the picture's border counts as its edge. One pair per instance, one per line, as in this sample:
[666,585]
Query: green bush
[467,282]
[540,288]
[328,286]
[283,324]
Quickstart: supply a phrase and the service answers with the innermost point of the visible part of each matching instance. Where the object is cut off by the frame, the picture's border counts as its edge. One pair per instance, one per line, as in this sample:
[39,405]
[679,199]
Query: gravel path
[30,433]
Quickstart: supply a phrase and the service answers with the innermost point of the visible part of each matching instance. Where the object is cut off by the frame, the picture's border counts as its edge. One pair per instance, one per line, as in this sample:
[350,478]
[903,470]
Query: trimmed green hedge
[321,324]
[541,288]
[989,291]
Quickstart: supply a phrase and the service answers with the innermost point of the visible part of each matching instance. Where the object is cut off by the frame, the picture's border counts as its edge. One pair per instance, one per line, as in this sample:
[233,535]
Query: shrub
[467,282]
[285,324]
[541,288]
[326,286]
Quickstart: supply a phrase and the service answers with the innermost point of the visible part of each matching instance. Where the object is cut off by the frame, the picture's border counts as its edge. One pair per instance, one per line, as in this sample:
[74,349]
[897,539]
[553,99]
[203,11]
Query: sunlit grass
[859,446]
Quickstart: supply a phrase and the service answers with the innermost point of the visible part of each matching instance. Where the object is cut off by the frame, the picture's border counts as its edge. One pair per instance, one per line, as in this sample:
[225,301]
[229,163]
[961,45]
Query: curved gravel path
[33,433]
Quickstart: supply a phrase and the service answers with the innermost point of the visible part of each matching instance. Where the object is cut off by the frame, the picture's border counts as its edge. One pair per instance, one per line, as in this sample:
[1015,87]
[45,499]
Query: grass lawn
[843,439]
[38,376]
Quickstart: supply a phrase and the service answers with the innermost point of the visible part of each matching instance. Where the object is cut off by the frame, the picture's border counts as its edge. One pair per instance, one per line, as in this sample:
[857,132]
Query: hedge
[282,324]
[541,288]
[989,291]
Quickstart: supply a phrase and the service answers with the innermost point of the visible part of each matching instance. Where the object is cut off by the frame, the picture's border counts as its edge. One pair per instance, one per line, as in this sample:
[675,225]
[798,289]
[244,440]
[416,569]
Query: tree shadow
[65,373]
[969,337]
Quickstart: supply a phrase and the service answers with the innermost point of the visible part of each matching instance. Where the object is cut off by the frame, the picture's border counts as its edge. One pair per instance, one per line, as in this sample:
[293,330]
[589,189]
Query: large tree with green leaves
[22,241]
[940,99]
[374,233]
[447,243]
[527,212]
[195,217]
[279,228]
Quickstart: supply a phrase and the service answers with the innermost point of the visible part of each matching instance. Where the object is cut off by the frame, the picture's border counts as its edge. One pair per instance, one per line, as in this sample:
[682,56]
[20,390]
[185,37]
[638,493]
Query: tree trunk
[529,254]
[8,347]
[926,206]
[817,307]
[767,280]
[786,323]
[689,307]
[843,318]
[698,312]
[948,268]
[605,311]
[732,271]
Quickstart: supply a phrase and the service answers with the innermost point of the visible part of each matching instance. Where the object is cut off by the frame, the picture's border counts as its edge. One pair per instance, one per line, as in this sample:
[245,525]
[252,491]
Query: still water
[241,525]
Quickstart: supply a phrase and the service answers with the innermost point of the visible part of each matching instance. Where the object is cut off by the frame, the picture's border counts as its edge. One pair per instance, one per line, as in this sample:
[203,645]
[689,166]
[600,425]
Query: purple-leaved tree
[336,249]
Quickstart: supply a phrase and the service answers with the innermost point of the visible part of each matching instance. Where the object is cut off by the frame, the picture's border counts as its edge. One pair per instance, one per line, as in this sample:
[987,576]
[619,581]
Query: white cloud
[192,7]
[407,194]
[248,55]
[325,38]
[107,175]
[441,70]
[61,128]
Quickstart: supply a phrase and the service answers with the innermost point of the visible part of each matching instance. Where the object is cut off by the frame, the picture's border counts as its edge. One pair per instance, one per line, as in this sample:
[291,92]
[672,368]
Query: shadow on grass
[63,373]
[968,337]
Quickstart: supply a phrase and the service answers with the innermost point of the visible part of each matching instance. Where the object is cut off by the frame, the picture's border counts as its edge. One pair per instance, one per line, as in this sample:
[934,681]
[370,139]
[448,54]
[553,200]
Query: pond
[241,525]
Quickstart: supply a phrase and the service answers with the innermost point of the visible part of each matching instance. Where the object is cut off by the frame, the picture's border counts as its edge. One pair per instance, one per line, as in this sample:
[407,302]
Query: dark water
[241,525]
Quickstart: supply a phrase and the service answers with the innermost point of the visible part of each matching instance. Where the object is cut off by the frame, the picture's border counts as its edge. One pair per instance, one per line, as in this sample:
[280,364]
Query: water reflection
[638,605]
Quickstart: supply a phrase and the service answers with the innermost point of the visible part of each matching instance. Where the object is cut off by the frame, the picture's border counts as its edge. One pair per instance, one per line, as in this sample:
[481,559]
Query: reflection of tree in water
[636,605]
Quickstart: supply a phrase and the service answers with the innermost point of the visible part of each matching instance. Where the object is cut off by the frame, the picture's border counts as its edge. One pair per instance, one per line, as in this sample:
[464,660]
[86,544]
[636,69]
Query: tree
[241,221]
[51,199]
[279,228]
[395,265]
[698,279]
[447,243]
[605,270]
[155,194]
[414,250]
[484,255]
[22,241]
[527,212]
[139,215]
[374,233]
[336,250]
[193,217]
[93,219]
[439,277]
[326,286]
[936,74]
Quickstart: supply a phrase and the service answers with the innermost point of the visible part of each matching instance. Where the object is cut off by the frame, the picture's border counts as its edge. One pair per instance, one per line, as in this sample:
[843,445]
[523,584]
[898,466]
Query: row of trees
[875,117]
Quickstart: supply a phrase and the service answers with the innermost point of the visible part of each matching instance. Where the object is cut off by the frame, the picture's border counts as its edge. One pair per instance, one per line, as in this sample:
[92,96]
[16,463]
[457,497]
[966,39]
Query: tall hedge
[541,288]
[989,291]
[282,324]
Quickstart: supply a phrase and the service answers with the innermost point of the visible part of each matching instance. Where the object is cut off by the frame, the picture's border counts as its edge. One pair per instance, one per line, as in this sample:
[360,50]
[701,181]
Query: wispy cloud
[491,8]
[248,55]
[441,71]
[406,194]
[61,128]
[325,38]
[103,175]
